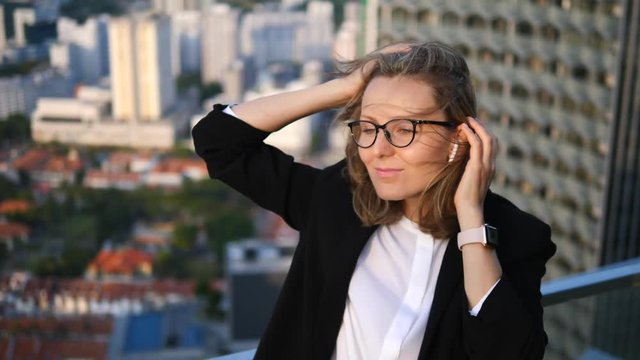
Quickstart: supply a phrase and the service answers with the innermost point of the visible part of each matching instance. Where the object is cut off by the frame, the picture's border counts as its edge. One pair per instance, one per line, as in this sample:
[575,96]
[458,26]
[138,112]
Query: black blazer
[309,310]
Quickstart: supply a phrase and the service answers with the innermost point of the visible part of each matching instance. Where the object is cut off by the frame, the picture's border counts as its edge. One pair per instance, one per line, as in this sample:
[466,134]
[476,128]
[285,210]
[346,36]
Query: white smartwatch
[486,235]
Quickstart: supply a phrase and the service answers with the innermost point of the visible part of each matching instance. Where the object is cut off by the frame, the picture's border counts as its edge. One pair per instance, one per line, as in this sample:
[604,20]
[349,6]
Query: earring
[452,155]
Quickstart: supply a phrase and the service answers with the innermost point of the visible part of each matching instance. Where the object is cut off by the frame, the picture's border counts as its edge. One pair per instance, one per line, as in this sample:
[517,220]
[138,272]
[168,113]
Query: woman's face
[403,173]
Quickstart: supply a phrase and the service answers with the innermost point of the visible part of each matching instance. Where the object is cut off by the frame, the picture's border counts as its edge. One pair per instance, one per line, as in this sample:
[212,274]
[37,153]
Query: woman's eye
[368,131]
[403,131]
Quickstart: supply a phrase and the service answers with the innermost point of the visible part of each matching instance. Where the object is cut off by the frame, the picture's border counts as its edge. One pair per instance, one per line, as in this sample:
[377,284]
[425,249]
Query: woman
[397,256]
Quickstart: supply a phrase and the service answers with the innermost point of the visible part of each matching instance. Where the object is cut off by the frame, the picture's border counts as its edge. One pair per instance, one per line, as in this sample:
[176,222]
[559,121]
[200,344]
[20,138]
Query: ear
[460,136]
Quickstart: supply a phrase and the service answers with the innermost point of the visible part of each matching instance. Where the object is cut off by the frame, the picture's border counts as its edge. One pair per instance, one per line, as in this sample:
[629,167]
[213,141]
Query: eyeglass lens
[398,132]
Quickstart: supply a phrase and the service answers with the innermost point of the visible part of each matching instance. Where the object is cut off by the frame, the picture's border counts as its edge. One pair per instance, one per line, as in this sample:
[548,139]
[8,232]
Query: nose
[382,146]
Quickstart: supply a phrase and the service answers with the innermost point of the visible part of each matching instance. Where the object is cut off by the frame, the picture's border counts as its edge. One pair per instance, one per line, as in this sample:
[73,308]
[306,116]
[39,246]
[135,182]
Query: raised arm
[234,151]
[272,113]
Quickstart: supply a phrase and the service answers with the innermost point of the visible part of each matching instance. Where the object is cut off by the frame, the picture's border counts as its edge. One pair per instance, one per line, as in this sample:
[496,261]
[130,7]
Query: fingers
[389,49]
[475,148]
[488,140]
[480,168]
[483,144]
[367,67]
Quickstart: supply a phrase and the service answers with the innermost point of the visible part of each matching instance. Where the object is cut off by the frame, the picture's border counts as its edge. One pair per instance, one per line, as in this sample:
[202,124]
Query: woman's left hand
[478,173]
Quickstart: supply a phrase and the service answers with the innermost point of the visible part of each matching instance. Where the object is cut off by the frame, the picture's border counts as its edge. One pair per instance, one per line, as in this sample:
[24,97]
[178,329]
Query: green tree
[115,211]
[72,263]
[203,198]
[86,217]
[171,264]
[45,266]
[185,81]
[16,128]
[210,90]
[8,189]
[184,236]
[182,151]
[80,230]
[212,298]
[75,260]
[4,256]
[227,226]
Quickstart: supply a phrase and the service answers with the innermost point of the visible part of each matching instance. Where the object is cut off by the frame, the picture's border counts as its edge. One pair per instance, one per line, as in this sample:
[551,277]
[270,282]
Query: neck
[410,209]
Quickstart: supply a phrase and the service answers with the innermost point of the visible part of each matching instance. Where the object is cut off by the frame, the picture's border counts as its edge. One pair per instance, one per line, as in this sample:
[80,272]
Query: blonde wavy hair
[446,72]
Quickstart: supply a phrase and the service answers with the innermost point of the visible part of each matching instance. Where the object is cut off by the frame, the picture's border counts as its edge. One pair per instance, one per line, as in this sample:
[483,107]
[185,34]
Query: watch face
[491,234]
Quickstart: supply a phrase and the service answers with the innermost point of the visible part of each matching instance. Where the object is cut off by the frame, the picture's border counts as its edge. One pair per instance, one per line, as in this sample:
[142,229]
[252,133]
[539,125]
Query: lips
[387,172]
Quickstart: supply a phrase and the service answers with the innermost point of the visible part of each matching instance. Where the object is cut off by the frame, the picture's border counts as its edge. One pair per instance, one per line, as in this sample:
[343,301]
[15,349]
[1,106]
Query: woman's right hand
[353,82]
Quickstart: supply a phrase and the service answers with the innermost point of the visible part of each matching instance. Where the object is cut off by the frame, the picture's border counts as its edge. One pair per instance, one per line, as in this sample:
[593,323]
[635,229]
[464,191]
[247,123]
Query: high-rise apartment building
[234,81]
[219,41]
[8,9]
[172,6]
[167,6]
[345,46]
[21,18]
[274,33]
[140,61]
[545,76]
[80,49]
[3,33]
[186,31]
[318,41]
[17,95]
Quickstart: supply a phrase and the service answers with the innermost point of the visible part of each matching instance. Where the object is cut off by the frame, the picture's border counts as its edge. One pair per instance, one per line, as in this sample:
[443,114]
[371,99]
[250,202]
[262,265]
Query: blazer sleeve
[235,153]
[510,324]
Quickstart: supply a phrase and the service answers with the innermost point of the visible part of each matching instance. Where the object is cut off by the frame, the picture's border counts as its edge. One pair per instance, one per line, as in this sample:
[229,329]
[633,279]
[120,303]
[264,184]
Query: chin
[390,195]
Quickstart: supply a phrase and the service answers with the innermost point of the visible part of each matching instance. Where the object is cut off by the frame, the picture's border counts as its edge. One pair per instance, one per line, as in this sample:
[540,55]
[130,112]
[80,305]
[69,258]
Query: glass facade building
[545,73]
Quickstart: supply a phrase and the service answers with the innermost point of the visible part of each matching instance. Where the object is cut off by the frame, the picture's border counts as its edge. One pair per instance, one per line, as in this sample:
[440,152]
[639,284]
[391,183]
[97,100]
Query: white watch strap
[474,235]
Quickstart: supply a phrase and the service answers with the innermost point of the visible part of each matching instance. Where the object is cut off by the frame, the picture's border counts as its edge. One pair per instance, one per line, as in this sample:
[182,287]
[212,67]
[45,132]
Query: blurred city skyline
[102,95]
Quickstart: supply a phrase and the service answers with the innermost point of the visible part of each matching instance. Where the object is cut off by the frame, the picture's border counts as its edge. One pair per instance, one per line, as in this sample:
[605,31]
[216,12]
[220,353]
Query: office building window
[545,98]
[549,32]
[524,28]
[520,92]
[568,104]
[580,72]
[476,22]
[450,18]
[499,25]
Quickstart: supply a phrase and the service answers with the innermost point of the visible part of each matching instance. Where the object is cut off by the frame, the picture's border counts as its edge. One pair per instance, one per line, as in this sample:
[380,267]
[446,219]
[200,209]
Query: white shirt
[390,294]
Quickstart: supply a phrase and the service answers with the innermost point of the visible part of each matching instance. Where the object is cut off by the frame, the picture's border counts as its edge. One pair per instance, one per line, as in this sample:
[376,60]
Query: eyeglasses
[399,132]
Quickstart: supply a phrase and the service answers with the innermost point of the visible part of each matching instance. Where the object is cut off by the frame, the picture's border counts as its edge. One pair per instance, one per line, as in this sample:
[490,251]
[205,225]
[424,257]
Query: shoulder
[335,177]
[331,191]
[520,233]
[502,210]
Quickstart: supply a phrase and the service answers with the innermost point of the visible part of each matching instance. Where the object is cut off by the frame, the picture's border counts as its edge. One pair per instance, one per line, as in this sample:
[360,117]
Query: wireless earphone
[452,155]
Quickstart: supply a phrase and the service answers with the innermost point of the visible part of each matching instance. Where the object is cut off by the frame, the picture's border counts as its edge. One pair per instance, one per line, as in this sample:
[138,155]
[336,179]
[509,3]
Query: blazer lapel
[449,279]
[334,297]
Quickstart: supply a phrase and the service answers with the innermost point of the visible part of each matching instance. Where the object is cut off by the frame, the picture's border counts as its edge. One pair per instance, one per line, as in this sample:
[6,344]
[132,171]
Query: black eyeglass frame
[414,122]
